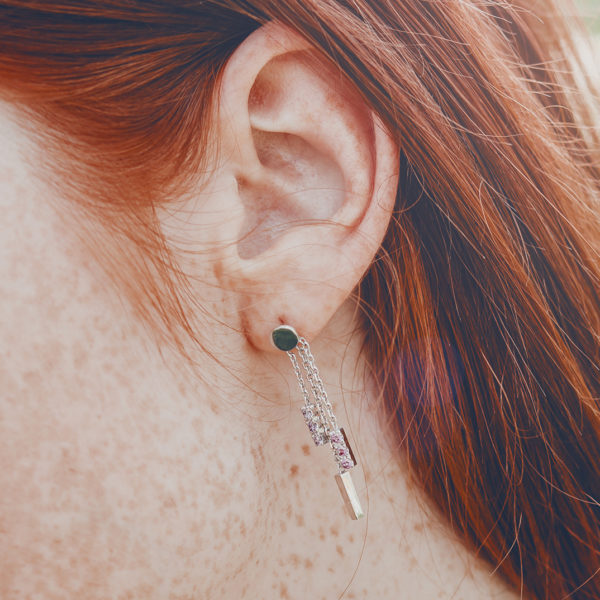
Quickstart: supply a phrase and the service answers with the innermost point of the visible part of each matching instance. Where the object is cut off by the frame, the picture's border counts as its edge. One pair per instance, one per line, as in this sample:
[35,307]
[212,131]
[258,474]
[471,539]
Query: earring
[318,413]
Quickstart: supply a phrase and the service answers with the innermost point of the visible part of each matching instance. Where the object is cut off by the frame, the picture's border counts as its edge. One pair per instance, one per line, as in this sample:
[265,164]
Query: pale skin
[125,473]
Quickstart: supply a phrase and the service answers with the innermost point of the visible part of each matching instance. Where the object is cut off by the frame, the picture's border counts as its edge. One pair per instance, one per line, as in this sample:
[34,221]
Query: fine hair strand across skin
[481,311]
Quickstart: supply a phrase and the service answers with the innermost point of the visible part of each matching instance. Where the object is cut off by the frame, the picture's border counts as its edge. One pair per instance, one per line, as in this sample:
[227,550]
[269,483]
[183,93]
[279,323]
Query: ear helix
[318,413]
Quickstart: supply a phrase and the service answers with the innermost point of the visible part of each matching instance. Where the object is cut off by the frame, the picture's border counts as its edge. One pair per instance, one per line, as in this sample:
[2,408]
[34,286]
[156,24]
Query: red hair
[481,310]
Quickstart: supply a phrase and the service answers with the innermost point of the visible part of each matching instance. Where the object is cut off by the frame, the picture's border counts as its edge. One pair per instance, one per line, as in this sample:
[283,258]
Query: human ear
[314,177]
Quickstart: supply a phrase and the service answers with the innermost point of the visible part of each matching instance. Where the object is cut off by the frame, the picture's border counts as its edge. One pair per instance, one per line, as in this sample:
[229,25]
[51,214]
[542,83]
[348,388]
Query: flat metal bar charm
[349,495]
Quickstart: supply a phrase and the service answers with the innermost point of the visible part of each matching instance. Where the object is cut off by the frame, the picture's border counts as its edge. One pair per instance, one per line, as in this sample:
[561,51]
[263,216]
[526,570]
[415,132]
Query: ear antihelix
[318,413]
[294,185]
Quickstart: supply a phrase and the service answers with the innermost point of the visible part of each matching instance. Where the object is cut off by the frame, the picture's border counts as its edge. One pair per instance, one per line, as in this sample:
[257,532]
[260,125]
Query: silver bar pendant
[349,495]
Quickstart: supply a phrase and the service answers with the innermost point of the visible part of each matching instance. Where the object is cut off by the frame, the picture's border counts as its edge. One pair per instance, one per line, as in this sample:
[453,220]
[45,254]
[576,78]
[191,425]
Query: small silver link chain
[301,383]
[316,383]
[322,425]
[313,386]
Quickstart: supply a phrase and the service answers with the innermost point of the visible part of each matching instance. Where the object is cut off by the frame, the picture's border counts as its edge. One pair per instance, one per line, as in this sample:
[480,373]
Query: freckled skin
[125,474]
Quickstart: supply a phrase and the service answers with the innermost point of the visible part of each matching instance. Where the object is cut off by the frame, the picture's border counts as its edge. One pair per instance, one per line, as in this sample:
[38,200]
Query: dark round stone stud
[285,338]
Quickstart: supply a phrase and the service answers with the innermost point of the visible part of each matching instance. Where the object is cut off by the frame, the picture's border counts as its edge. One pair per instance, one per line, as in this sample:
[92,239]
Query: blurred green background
[590,9]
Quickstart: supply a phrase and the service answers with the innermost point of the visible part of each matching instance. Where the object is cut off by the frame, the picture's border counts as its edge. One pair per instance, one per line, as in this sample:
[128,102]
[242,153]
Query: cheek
[128,503]
[121,482]
[117,479]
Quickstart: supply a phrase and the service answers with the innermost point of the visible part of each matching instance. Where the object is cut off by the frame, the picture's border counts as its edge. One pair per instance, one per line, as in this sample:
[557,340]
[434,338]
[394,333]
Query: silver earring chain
[312,373]
[318,412]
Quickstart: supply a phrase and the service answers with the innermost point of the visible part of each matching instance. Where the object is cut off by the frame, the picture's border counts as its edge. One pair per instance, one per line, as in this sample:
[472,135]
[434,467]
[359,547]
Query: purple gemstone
[336,437]
[342,452]
[346,464]
[312,426]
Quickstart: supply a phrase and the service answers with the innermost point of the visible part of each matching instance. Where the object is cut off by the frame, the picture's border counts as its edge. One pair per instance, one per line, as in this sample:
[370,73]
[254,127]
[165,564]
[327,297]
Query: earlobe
[315,175]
